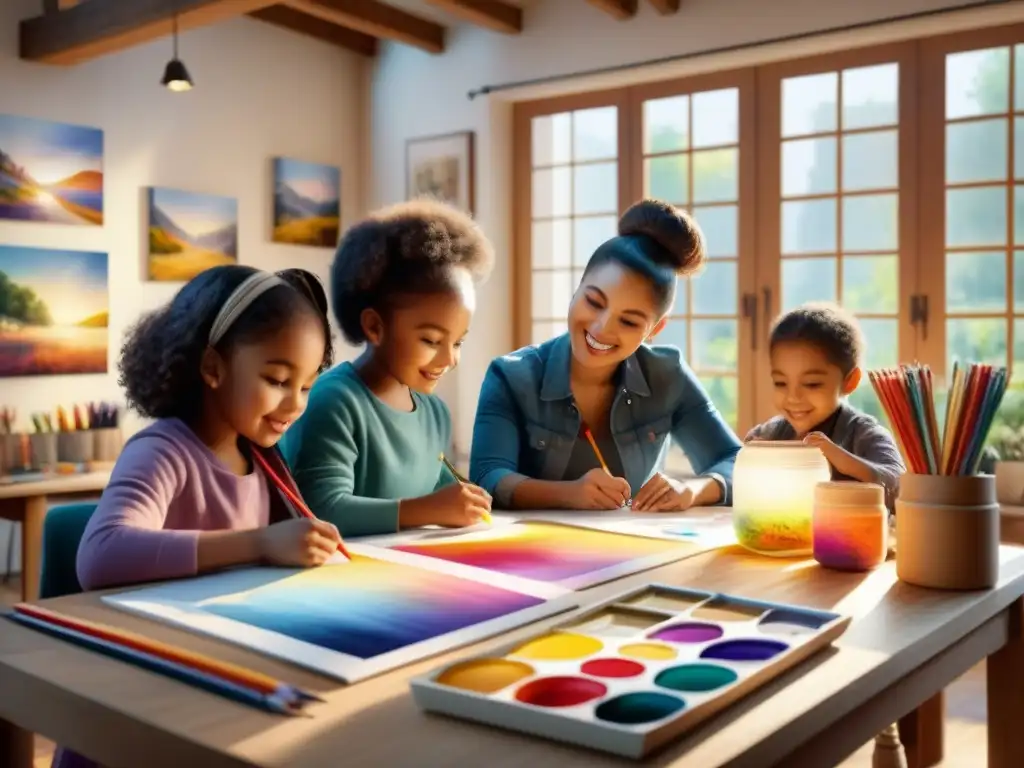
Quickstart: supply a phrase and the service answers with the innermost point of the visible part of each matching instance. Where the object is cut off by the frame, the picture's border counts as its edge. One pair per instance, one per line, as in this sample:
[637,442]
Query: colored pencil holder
[947,527]
[75,447]
[11,451]
[850,525]
[44,450]
[107,443]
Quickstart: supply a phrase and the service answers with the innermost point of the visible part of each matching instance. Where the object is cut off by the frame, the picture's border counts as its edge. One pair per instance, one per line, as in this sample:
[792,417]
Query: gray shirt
[855,432]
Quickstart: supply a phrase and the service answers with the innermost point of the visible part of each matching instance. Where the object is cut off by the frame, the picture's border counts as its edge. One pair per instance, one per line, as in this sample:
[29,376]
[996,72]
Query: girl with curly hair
[366,453]
[224,370]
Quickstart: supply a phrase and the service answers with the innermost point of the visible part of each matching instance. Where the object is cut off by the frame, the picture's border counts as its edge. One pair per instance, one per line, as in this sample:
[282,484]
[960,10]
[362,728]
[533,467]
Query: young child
[815,355]
[367,453]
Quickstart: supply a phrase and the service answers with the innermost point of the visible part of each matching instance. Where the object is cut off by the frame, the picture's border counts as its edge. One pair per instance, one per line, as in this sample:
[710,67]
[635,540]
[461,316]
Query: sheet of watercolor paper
[349,620]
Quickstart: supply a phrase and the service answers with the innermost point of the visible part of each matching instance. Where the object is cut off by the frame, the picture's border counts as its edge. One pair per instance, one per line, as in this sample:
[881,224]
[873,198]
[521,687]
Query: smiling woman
[584,420]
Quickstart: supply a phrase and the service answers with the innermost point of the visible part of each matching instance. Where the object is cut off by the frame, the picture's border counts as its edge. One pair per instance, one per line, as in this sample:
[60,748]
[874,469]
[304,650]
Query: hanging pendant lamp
[176,77]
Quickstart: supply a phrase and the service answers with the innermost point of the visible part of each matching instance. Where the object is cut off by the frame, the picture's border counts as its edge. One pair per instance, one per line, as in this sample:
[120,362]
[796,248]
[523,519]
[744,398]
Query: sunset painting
[50,172]
[53,312]
[307,203]
[189,233]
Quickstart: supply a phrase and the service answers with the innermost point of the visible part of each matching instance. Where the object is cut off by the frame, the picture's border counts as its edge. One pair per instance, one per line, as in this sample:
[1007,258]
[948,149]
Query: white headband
[245,294]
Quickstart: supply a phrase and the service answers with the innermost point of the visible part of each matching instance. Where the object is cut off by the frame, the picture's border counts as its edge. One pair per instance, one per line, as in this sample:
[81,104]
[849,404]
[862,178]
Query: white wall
[417,94]
[260,92]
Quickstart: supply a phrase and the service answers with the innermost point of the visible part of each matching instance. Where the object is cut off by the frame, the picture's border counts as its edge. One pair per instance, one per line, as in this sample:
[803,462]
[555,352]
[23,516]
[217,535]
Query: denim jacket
[526,422]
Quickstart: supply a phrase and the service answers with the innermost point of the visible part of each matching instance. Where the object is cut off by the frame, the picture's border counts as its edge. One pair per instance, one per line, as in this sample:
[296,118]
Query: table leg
[1005,671]
[922,733]
[17,746]
[32,546]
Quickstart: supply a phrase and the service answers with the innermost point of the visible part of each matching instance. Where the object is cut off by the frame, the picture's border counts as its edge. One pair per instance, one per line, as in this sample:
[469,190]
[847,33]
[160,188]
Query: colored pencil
[171,669]
[455,473]
[907,397]
[232,673]
[597,451]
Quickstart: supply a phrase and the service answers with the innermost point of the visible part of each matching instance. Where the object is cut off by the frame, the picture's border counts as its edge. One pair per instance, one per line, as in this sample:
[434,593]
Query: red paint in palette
[612,668]
[560,691]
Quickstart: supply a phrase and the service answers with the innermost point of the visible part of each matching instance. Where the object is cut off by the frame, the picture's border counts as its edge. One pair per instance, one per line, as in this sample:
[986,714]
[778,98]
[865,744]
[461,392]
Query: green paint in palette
[695,678]
[639,707]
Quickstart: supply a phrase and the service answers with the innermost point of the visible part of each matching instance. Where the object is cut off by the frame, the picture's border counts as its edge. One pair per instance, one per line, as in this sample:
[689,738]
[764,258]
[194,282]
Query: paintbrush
[461,480]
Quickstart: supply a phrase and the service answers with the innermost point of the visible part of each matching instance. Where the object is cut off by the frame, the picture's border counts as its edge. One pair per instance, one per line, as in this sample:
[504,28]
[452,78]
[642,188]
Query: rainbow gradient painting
[555,553]
[348,620]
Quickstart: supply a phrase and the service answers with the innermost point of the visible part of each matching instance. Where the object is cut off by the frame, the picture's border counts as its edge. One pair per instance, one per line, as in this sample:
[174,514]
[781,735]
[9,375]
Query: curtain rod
[486,89]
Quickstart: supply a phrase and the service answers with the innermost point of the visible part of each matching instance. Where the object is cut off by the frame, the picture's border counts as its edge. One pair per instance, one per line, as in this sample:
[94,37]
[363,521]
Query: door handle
[750,313]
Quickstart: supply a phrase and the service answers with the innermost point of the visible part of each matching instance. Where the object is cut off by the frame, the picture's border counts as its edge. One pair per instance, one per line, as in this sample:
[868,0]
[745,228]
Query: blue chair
[63,528]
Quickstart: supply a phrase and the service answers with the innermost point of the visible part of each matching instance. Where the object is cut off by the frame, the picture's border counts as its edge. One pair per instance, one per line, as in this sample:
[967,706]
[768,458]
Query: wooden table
[26,503]
[903,648]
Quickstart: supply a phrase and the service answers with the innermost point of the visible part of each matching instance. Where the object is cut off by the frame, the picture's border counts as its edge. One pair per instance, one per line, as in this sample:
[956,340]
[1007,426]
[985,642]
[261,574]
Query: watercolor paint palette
[634,673]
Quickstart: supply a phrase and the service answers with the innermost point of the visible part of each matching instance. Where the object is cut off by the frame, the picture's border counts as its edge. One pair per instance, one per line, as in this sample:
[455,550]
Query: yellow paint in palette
[648,651]
[485,675]
[559,646]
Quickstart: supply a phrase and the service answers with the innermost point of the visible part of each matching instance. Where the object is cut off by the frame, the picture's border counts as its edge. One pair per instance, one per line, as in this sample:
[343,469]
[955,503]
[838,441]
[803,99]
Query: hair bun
[678,234]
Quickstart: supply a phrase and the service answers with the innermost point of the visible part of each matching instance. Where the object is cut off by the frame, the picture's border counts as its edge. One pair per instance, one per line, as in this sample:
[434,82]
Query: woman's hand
[302,542]
[663,494]
[599,490]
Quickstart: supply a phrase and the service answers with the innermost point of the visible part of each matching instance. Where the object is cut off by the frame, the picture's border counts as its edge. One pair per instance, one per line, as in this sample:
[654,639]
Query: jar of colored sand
[773,496]
[850,525]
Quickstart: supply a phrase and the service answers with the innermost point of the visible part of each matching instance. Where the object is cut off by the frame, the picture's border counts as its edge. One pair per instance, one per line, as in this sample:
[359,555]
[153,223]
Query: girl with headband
[583,421]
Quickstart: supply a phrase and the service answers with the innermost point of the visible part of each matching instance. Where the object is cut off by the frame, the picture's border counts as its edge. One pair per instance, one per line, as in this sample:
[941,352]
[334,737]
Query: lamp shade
[773,496]
[176,77]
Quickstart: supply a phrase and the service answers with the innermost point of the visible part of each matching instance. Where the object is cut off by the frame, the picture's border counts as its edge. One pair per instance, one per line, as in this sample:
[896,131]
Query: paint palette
[634,673]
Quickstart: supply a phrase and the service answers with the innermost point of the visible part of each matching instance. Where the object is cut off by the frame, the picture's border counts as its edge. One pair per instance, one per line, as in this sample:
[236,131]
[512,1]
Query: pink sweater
[166,488]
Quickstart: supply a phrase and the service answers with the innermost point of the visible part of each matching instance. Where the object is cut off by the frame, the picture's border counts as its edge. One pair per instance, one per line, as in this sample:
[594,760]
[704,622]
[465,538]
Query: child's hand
[599,490]
[821,441]
[302,542]
[663,494]
[459,505]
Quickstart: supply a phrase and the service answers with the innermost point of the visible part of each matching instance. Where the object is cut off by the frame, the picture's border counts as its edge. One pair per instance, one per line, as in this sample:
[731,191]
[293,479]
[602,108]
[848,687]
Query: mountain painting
[189,233]
[50,172]
[54,308]
[307,203]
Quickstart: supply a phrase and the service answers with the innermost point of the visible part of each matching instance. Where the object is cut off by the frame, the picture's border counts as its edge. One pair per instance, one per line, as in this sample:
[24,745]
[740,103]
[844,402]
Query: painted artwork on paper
[307,203]
[574,557]
[348,620]
[54,307]
[190,232]
[50,171]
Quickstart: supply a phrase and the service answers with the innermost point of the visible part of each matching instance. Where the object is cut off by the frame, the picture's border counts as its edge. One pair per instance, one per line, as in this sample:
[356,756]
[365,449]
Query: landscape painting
[307,203]
[441,167]
[50,172]
[190,232]
[53,312]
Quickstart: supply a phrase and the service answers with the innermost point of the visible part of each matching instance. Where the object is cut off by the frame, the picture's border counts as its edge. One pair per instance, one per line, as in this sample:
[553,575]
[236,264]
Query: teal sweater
[353,457]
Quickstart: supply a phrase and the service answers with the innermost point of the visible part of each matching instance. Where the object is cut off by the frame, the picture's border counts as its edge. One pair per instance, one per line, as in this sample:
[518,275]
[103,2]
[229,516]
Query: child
[224,370]
[367,453]
[815,355]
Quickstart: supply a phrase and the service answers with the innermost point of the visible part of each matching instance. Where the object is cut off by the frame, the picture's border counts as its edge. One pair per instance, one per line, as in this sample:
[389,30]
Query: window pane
[1018,147]
[976,151]
[976,216]
[881,338]
[976,340]
[721,391]
[674,335]
[720,225]
[809,226]
[870,223]
[716,117]
[596,188]
[1018,281]
[1018,350]
[679,306]
[552,139]
[542,331]
[714,289]
[871,96]
[666,124]
[667,178]
[808,166]
[1018,212]
[588,234]
[716,175]
[871,284]
[715,345]
[977,82]
[552,192]
[870,160]
[806,280]
[595,134]
[809,104]
[976,282]
[552,243]
[552,292]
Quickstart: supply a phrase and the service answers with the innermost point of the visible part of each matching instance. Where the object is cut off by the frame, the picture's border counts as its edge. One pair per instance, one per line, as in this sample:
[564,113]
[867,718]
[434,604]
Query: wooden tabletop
[83,482]
[125,716]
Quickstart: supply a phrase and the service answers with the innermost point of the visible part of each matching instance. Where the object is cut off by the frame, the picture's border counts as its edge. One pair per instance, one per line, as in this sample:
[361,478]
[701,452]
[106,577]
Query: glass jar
[850,525]
[773,496]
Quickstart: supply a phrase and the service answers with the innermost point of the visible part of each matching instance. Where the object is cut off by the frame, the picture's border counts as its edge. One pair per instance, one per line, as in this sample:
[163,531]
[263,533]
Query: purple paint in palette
[689,633]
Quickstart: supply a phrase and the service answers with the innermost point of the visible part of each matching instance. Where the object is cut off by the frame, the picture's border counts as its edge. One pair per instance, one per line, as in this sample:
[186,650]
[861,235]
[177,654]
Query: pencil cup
[948,531]
[75,447]
[44,450]
[9,451]
[107,444]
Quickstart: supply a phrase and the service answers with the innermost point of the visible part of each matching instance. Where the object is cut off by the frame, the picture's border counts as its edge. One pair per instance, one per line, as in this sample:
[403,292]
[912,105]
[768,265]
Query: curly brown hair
[828,327]
[161,355]
[409,248]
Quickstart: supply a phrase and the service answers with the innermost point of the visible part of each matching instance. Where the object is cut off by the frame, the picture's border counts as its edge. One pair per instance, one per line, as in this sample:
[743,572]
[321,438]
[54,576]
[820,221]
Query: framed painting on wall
[189,232]
[307,203]
[50,172]
[441,167]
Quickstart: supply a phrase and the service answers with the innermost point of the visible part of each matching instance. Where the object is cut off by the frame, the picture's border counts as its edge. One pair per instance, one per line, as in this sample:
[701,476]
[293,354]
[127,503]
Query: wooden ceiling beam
[493,14]
[98,27]
[56,6]
[619,9]
[377,20]
[296,21]
[666,7]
